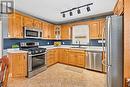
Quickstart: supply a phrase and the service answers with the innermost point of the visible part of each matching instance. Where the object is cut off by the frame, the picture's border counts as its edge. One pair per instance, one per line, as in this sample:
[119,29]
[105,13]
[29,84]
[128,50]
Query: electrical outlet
[63,42]
[48,43]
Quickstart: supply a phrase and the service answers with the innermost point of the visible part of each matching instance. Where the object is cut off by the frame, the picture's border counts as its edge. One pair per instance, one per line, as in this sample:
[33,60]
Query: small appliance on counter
[36,57]
[57,43]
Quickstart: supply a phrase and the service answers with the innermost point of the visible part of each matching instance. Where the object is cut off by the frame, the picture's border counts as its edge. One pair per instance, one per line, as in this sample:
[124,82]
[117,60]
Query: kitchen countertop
[13,50]
[86,48]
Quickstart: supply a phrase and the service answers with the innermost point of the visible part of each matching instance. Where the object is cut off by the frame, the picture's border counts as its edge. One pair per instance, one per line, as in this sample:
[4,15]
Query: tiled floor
[60,75]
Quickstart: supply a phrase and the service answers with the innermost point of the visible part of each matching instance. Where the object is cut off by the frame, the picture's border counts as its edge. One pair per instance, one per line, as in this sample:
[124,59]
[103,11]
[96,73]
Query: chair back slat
[4,70]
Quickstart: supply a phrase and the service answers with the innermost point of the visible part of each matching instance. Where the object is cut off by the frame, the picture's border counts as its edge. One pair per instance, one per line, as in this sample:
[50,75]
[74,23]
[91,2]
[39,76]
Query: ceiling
[50,9]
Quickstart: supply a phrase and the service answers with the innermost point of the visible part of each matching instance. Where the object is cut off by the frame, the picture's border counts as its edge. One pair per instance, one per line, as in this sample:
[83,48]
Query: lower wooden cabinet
[63,56]
[52,57]
[18,64]
[80,59]
[76,58]
[66,56]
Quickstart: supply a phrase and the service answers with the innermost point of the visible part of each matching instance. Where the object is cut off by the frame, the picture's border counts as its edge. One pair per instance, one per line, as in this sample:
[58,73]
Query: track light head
[71,14]
[78,11]
[88,8]
[63,15]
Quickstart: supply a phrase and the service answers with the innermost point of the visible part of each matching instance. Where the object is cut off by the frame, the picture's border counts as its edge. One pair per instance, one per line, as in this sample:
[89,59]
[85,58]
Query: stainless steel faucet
[78,41]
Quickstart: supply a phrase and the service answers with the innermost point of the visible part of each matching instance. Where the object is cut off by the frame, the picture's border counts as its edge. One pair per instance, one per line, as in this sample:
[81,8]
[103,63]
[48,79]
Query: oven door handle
[39,54]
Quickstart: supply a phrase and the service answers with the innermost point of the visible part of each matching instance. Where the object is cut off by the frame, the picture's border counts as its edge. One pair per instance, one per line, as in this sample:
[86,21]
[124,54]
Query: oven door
[36,61]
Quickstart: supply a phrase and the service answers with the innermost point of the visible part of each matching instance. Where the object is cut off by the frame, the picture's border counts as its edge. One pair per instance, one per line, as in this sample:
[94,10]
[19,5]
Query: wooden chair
[4,73]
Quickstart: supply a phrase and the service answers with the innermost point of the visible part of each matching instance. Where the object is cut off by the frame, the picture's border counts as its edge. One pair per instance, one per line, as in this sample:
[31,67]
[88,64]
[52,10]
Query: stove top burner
[33,51]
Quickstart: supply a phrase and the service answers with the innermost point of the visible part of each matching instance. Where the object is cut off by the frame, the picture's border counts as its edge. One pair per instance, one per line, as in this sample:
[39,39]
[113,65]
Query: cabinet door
[80,60]
[45,30]
[18,64]
[65,32]
[52,33]
[119,8]
[10,26]
[37,24]
[72,58]
[51,57]
[94,29]
[63,56]
[28,22]
[101,30]
[15,26]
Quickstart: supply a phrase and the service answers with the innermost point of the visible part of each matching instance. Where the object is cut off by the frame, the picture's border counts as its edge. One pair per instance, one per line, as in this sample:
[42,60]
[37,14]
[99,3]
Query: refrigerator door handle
[103,63]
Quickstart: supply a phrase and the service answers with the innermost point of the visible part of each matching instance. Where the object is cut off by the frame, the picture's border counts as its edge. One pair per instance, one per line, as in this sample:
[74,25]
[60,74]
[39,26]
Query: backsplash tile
[94,42]
[9,42]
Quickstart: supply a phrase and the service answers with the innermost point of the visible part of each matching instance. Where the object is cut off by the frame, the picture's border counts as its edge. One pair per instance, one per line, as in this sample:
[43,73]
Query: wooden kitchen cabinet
[65,32]
[77,58]
[15,26]
[72,58]
[80,60]
[102,29]
[18,64]
[37,24]
[52,57]
[66,56]
[28,22]
[63,56]
[126,39]
[119,8]
[96,29]
[48,30]
[45,30]
[51,30]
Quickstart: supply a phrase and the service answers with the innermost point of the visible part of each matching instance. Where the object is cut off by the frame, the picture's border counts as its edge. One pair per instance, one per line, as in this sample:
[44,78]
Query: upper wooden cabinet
[31,22]
[102,29]
[65,32]
[18,64]
[37,24]
[96,29]
[51,31]
[27,21]
[119,8]
[45,30]
[15,26]
[48,30]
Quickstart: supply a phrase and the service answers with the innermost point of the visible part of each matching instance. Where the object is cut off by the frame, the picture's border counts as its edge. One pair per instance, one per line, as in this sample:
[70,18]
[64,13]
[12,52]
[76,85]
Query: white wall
[80,31]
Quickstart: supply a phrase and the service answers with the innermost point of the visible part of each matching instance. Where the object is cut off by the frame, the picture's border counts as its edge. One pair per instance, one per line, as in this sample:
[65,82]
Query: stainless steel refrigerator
[114,51]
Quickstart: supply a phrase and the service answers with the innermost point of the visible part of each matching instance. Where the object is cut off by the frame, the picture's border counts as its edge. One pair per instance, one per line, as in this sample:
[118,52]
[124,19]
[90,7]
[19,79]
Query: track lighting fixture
[78,10]
[71,14]
[88,8]
[63,15]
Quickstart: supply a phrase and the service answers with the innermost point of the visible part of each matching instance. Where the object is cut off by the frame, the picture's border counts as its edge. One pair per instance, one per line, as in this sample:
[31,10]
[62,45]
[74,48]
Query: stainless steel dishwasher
[94,60]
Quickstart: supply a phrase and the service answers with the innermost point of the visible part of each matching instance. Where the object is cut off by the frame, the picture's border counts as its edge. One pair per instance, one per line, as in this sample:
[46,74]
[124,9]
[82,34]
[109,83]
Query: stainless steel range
[36,57]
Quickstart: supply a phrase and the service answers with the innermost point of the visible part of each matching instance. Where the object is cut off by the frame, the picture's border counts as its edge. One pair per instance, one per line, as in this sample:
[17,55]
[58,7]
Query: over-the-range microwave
[32,33]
